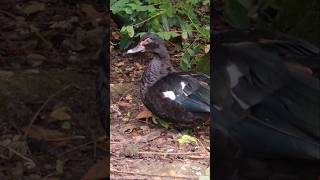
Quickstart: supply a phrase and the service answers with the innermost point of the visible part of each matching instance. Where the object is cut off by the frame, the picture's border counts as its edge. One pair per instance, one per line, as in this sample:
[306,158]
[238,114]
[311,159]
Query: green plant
[168,19]
[295,17]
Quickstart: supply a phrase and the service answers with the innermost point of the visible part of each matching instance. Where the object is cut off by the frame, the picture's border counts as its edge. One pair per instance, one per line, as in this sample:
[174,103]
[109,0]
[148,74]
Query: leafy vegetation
[295,17]
[168,19]
[186,139]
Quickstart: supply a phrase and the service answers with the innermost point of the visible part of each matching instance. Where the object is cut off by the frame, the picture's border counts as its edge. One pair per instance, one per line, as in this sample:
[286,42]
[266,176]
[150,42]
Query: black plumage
[266,97]
[183,98]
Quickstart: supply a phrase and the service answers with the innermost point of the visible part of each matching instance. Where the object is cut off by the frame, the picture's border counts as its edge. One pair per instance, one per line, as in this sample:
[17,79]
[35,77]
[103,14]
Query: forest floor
[139,148]
[49,127]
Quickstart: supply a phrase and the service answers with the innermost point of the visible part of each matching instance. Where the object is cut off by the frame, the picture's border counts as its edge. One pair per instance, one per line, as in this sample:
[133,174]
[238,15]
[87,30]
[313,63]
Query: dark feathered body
[182,98]
[267,106]
[191,103]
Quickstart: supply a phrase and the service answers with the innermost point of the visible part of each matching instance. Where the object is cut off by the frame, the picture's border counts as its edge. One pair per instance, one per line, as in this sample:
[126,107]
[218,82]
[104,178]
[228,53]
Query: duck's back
[272,110]
[180,97]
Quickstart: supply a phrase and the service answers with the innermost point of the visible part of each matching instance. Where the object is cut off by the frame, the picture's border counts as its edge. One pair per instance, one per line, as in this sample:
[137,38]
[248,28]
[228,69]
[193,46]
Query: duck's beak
[136,49]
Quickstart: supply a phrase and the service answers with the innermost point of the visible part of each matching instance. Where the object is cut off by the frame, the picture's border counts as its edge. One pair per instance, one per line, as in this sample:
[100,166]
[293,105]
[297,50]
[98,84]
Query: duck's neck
[158,68]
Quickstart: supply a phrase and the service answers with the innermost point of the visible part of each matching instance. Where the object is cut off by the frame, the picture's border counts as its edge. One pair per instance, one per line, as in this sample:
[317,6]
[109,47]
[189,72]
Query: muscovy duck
[183,98]
[266,106]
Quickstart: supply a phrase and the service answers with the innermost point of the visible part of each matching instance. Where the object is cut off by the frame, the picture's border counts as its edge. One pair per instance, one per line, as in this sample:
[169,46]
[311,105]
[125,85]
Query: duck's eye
[146,41]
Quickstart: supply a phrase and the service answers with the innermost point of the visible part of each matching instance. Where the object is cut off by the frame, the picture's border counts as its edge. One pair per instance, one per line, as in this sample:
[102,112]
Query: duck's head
[149,42]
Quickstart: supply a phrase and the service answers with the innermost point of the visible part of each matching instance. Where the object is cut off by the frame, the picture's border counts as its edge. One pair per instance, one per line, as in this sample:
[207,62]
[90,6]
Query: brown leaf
[124,104]
[98,171]
[144,115]
[116,35]
[54,137]
[33,7]
[60,113]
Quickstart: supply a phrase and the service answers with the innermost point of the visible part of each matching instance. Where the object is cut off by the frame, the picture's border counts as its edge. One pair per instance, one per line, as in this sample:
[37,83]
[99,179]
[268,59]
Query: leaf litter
[140,148]
[46,46]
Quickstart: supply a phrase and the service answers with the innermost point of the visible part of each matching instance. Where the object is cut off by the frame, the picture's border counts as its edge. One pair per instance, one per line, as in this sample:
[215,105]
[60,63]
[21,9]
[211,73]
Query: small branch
[76,148]
[66,138]
[31,163]
[8,14]
[152,175]
[162,153]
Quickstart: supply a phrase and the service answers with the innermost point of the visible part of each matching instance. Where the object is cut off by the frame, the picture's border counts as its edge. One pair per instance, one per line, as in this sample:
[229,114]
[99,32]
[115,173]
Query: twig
[75,148]
[8,14]
[152,175]
[49,175]
[162,153]
[199,157]
[43,106]
[66,138]
[30,161]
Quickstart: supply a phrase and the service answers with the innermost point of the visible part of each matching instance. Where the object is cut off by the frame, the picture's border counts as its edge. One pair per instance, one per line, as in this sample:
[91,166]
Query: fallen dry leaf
[33,7]
[207,48]
[61,113]
[54,137]
[98,171]
[144,115]
[124,104]
[129,97]
[116,35]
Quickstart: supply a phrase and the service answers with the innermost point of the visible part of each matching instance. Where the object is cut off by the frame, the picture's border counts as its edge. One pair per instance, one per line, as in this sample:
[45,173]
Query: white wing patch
[183,84]
[169,94]
[234,74]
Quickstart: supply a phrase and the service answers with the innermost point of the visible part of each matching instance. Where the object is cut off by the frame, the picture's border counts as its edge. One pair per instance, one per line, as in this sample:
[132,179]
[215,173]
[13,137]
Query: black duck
[266,112]
[183,98]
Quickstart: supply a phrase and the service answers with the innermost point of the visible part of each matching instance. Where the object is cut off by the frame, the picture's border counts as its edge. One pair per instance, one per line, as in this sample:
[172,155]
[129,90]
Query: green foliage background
[296,17]
[168,19]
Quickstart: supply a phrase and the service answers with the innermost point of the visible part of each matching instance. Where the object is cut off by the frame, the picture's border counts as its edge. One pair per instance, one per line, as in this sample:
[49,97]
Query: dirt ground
[141,149]
[49,127]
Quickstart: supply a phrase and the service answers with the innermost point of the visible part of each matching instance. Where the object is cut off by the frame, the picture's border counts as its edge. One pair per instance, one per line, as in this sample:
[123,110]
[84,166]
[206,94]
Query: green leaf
[118,6]
[125,41]
[195,22]
[167,35]
[165,24]
[66,125]
[155,25]
[130,31]
[186,139]
[59,167]
[186,28]
[185,62]
[164,123]
[128,10]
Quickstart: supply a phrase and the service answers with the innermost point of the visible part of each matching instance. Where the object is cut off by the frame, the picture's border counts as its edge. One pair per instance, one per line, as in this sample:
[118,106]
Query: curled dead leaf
[144,115]
[116,35]
[61,113]
[54,137]
[33,7]
[123,104]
